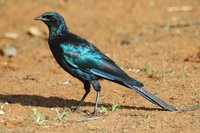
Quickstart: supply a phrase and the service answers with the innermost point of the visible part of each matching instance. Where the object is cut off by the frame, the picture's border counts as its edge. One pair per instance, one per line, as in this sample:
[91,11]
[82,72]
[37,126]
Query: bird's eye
[51,18]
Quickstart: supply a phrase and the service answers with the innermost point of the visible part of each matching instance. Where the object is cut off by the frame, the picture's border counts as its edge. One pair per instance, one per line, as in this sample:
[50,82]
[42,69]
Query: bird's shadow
[51,102]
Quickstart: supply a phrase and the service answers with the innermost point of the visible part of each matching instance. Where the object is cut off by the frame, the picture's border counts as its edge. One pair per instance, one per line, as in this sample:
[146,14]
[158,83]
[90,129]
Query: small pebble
[133,70]
[11,35]
[2,112]
[66,82]
[36,32]
[9,51]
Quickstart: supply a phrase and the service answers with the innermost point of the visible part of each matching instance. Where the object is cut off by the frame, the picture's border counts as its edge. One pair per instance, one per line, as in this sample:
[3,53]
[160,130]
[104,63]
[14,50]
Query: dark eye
[51,18]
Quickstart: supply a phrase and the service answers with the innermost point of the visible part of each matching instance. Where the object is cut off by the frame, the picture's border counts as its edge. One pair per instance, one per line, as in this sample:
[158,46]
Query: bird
[84,61]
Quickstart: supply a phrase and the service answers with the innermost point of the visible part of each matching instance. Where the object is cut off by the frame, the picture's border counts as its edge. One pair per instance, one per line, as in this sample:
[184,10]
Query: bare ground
[156,42]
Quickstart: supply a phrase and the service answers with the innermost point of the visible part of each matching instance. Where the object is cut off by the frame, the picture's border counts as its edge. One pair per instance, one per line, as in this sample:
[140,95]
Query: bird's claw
[90,115]
[79,111]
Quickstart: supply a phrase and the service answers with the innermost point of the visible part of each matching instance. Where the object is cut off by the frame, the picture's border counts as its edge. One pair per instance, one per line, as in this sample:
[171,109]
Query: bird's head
[54,21]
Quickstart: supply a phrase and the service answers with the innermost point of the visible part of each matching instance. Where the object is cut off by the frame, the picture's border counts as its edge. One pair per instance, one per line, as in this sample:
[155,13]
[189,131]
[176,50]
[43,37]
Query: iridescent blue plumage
[84,61]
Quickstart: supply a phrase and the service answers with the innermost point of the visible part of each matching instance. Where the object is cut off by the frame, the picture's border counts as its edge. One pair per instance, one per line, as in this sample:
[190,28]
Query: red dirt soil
[163,34]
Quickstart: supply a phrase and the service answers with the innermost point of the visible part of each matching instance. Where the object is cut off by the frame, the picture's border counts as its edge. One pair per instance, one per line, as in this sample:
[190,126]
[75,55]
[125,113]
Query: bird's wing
[81,54]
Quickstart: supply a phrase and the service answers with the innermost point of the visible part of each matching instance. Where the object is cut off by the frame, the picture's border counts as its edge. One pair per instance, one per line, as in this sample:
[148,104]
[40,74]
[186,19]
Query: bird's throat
[52,31]
[61,30]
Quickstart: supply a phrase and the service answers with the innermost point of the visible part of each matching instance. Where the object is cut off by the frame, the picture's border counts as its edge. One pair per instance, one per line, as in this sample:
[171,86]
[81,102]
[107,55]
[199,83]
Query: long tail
[151,97]
[135,85]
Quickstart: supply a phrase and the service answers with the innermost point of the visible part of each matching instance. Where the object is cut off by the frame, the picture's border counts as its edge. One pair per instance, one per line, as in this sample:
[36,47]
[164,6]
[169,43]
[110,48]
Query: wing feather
[83,55]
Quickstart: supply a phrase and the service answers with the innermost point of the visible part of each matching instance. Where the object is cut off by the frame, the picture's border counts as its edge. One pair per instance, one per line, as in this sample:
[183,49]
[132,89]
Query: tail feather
[134,85]
[151,97]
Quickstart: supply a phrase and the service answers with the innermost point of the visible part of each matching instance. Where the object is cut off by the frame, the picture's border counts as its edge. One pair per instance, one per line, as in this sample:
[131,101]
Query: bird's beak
[41,18]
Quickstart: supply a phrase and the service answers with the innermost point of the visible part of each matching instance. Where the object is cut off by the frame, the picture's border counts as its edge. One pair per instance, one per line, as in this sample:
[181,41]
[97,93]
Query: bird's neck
[62,29]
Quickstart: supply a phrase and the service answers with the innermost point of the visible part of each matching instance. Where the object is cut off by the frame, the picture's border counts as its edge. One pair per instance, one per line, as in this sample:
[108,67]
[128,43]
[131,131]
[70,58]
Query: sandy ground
[156,42]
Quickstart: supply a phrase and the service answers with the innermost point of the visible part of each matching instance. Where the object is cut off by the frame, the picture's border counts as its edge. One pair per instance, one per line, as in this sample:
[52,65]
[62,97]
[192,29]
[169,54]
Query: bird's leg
[96,103]
[87,90]
[81,102]
[97,87]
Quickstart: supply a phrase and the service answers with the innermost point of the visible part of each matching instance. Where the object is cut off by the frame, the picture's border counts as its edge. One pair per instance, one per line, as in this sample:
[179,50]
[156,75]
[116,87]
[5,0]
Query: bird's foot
[93,114]
[80,111]
[90,115]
